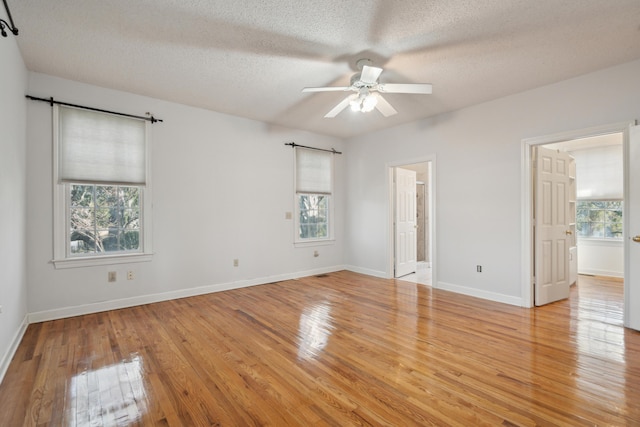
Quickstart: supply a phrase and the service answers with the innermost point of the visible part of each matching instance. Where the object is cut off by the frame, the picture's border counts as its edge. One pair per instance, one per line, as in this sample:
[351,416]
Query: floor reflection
[108,396]
[314,330]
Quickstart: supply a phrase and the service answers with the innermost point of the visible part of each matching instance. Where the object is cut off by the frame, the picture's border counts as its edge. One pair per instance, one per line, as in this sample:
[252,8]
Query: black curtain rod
[10,25]
[53,101]
[293,144]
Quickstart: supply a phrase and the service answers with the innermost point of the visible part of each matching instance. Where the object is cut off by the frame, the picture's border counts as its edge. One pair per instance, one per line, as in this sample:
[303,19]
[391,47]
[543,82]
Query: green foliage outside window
[314,214]
[599,219]
[104,218]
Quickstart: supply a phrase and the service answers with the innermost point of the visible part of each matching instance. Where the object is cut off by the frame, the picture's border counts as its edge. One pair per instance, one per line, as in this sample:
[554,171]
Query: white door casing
[632,231]
[405,222]
[551,226]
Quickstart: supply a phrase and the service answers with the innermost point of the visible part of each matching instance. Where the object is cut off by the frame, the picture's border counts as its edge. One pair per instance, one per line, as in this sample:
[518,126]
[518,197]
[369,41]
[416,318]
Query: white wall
[221,187]
[478,173]
[13,282]
[601,257]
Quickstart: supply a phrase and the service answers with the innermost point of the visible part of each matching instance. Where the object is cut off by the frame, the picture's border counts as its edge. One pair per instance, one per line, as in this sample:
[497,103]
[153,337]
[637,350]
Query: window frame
[603,222]
[315,241]
[62,257]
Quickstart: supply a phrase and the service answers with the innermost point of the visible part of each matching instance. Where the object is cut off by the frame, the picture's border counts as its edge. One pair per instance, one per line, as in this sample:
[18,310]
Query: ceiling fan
[368,91]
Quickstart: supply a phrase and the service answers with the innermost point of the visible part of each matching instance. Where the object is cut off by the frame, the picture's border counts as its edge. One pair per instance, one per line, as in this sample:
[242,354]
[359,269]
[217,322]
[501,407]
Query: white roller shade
[99,147]
[313,171]
[599,173]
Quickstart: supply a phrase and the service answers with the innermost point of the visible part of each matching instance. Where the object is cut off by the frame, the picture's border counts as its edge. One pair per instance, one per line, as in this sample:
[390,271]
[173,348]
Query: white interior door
[632,243]
[405,222]
[552,226]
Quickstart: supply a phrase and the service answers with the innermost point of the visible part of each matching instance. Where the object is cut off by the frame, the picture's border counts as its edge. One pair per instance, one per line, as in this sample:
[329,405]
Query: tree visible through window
[104,218]
[314,216]
[599,219]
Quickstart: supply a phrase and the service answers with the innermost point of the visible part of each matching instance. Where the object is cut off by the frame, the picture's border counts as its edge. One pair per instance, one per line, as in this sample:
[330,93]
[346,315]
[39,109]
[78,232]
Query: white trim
[13,347]
[101,260]
[312,243]
[79,310]
[432,213]
[367,271]
[615,243]
[526,193]
[606,273]
[479,293]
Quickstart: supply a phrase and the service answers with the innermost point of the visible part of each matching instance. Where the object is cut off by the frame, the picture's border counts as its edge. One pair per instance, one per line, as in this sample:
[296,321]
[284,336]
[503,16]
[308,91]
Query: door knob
[569,233]
[636,239]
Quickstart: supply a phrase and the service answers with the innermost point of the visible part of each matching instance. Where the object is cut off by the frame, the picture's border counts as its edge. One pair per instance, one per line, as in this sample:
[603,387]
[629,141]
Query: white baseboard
[607,273]
[478,293]
[79,310]
[13,347]
[367,271]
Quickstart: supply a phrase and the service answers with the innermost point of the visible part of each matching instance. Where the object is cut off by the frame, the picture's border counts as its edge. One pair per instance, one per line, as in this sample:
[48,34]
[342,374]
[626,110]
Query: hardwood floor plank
[337,349]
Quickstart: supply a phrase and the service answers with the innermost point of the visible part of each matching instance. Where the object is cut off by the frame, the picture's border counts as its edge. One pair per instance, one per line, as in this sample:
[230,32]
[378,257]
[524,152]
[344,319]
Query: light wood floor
[342,349]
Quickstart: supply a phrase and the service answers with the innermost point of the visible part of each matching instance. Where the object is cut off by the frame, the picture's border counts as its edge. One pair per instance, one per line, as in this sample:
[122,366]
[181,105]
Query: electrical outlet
[130,275]
[288,215]
[479,268]
[316,254]
[236,262]
[111,276]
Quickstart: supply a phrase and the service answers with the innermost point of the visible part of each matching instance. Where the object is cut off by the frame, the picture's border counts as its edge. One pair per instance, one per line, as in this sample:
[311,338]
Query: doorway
[528,253]
[423,217]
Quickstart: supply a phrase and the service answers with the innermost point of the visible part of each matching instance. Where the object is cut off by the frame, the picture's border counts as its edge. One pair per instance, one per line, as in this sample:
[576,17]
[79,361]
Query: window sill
[311,243]
[100,260]
[586,241]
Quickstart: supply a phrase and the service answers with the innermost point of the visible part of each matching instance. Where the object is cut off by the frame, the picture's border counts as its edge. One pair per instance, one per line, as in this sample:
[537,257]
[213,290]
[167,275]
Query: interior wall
[221,186]
[478,149]
[13,282]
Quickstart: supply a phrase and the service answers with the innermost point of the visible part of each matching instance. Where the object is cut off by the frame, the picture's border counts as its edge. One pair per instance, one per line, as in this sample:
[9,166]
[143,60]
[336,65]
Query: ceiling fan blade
[420,88]
[384,107]
[327,89]
[370,74]
[341,106]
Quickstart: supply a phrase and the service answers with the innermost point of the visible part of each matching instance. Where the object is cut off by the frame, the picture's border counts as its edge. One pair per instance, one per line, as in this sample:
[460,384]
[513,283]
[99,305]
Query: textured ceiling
[252,58]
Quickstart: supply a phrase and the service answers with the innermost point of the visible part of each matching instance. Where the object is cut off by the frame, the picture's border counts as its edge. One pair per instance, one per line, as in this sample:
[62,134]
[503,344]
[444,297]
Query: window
[314,187]
[600,219]
[101,189]
[104,218]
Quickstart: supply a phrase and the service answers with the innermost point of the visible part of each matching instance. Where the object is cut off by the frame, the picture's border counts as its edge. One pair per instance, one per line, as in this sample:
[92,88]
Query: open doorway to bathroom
[422,272]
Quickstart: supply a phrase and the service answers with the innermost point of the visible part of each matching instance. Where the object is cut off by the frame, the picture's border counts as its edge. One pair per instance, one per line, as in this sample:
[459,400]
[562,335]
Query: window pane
[111,227]
[583,229]
[130,219]
[582,215]
[106,195]
[596,215]
[313,216]
[106,218]
[81,243]
[613,216]
[599,219]
[130,240]
[130,197]
[81,218]
[82,195]
[597,229]
[613,231]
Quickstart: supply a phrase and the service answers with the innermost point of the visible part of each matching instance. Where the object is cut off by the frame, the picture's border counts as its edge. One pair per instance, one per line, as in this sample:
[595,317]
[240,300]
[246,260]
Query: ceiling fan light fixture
[369,103]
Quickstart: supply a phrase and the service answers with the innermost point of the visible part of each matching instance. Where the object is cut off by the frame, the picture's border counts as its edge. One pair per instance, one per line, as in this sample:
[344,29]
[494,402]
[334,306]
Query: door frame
[527,286]
[432,214]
